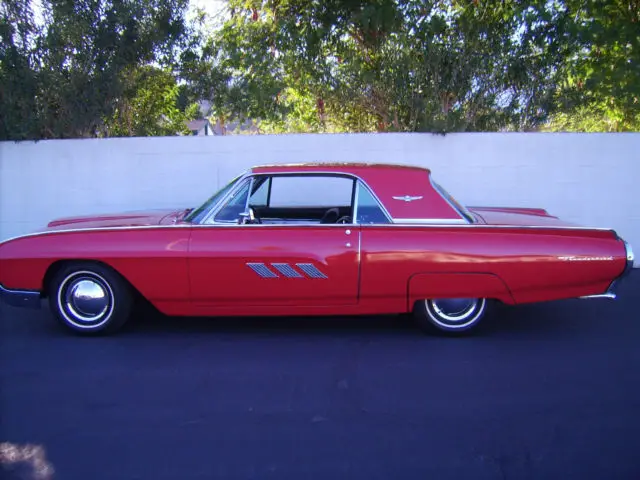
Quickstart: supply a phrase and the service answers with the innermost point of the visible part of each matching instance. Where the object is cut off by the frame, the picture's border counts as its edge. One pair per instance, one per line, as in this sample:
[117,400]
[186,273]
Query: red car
[312,239]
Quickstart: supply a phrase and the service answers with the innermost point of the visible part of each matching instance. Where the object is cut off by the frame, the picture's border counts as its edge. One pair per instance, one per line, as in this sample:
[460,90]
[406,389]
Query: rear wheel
[90,298]
[450,315]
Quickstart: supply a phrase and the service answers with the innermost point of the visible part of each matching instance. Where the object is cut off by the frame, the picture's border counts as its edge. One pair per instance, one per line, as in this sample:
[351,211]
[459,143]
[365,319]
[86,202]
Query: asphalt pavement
[544,391]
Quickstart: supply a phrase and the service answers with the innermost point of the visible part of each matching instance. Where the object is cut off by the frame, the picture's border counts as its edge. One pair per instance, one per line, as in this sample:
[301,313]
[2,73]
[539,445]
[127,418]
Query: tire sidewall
[118,289]
[428,319]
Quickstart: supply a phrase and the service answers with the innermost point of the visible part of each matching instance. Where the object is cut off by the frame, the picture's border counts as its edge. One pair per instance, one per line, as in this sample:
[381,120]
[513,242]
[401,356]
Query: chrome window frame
[209,218]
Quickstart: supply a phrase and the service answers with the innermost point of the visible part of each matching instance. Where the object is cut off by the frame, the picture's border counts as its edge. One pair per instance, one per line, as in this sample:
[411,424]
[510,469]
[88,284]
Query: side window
[260,196]
[235,205]
[310,191]
[369,210]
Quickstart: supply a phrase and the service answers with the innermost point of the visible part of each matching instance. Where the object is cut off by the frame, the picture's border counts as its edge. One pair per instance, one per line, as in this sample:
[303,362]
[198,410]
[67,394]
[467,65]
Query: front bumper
[20,298]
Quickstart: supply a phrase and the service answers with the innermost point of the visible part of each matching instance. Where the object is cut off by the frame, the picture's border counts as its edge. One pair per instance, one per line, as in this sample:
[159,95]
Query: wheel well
[58,264]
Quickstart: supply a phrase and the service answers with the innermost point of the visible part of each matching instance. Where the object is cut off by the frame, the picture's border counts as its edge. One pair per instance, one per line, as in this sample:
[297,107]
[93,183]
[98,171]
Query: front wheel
[450,315]
[90,298]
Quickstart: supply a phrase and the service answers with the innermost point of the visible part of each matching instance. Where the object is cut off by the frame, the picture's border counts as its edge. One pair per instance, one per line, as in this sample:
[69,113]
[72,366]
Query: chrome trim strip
[431,221]
[20,298]
[384,211]
[249,174]
[262,270]
[314,225]
[356,195]
[215,209]
[377,199]
[609,295]
[286,270]
[310,270]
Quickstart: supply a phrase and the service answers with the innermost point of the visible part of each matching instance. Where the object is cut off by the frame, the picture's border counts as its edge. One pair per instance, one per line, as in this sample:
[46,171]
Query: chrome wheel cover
[85,300]
[455,313]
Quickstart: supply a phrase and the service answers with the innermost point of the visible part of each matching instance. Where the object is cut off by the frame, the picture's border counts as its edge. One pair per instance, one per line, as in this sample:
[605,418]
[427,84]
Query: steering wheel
[330,216]
[344,219]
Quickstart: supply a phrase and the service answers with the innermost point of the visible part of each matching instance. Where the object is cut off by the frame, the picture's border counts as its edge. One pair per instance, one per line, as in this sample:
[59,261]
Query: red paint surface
[202,270]
[220,276]
[388,181]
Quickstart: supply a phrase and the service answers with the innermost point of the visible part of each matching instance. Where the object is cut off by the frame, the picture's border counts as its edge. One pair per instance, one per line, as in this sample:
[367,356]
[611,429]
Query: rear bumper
[627,268]
[611,291]
[20,298]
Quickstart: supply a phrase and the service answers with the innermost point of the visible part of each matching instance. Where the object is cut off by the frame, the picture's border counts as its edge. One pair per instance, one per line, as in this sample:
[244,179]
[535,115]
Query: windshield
[197,215]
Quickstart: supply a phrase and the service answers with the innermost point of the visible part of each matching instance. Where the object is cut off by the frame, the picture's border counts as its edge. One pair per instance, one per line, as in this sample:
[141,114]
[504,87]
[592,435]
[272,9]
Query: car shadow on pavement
[552,317]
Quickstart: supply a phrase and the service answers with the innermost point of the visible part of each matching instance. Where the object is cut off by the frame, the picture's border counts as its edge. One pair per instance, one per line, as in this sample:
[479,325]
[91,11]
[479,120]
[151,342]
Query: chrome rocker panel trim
[20,298]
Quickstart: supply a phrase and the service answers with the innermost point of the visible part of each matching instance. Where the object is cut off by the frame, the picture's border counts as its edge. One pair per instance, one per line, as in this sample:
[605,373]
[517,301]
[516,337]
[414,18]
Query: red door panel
[269,265]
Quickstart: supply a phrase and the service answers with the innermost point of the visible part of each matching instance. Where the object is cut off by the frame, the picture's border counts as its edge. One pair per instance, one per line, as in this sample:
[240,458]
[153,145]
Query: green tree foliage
[65,74]
[400,65]
[601,91]
[148,106]
[82,68]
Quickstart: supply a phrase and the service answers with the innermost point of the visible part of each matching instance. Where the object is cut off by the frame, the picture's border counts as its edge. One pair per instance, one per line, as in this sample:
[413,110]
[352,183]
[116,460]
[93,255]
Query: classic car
[312,239]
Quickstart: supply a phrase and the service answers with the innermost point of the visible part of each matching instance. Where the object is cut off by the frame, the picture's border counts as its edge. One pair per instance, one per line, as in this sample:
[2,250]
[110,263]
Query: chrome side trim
[20,298]
[609,295]
[286,270]
[310,270]
[356,198]
[262,270]
[314,225]
[430,221]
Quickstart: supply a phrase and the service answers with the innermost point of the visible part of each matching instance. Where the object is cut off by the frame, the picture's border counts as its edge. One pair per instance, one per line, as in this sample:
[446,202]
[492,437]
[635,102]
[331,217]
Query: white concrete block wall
[591,179]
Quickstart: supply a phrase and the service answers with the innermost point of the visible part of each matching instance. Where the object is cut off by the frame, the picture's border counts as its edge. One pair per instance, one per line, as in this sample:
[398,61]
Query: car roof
[346,167]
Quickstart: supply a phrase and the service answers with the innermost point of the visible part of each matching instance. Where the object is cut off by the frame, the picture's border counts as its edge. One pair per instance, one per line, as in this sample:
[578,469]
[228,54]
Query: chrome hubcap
[85,299]
[455,312]
[454,309]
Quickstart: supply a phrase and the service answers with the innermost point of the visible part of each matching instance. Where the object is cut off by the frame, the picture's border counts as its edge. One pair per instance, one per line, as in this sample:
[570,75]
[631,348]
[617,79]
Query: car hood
[125,219]
[536,217]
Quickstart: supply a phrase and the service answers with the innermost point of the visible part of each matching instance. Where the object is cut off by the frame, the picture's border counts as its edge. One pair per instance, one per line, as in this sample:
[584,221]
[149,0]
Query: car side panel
[534,264]
[153,260]
[221,260]
[457,285]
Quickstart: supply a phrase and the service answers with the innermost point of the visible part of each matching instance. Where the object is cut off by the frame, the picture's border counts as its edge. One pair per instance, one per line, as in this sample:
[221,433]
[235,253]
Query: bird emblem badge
[408,198]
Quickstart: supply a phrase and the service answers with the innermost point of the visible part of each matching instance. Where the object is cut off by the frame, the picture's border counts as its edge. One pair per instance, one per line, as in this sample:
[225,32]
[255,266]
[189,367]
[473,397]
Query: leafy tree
[403,65]
[63,76]
[148,106]
[601,91]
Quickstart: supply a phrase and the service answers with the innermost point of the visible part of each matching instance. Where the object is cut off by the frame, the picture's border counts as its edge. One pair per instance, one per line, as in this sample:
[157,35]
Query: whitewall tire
[89,298]
[450,315]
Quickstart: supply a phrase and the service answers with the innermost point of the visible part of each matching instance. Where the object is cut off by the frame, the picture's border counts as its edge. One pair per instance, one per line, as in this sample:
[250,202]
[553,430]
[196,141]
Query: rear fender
[457,285]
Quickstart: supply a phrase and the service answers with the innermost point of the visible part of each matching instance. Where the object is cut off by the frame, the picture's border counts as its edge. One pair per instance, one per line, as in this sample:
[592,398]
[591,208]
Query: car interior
[299,199]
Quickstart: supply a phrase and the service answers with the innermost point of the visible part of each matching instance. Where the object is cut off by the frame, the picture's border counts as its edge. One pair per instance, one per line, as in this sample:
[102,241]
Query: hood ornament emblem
[408,198]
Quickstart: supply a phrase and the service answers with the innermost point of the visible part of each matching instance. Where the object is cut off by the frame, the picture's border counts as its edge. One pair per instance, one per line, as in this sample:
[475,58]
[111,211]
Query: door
[274,265]
[279,240]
